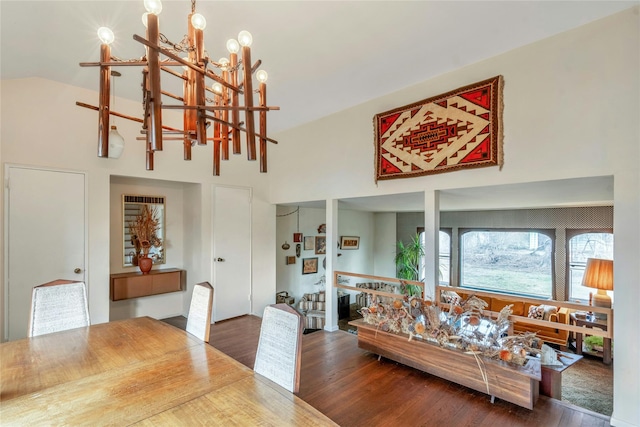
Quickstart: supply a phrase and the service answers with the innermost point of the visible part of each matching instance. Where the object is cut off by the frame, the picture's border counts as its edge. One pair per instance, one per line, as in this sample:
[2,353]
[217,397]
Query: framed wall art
[309,243]
[309,265]
[321,245]
[349,242]
[290,260]
[297,237]
[456,130]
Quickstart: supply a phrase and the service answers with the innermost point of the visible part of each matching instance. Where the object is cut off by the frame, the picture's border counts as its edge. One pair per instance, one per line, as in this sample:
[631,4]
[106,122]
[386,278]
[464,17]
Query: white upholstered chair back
[58,306]
[199,317]
[280,346]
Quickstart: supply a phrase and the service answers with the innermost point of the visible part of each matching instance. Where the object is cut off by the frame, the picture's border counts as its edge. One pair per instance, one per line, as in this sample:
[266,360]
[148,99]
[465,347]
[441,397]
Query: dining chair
[280,346]
[57,306]
[199,317]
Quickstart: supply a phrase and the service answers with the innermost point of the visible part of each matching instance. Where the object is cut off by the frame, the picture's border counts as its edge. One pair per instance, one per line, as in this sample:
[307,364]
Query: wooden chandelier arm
[218,107]
[124,116]
[215,119]
[183,62]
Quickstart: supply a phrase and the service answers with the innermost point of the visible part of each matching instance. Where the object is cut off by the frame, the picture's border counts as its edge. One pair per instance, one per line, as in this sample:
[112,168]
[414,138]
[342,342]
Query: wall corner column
[331,294]
[431,239]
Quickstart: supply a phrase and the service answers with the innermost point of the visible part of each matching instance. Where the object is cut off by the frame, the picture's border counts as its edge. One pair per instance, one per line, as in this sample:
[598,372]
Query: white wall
[157,306]
[385,244]
[42,126]
[350,223]
[571,108]
[290,277]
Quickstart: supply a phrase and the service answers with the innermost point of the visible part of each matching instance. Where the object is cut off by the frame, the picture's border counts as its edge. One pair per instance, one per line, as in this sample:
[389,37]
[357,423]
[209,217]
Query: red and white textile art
[457,130]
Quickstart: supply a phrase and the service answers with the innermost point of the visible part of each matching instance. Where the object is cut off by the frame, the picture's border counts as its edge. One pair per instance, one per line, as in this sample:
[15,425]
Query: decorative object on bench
[280,346]
[457,130]
[598,274]
[521,307]
[58,306]
[199,317]
[462,327]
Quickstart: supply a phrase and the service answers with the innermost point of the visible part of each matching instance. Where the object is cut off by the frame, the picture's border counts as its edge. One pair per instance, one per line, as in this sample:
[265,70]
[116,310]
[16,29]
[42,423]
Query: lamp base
[601,299]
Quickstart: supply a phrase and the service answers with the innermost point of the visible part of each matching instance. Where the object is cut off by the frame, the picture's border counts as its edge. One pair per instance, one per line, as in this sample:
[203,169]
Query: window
[518,262]
[444,258]
[581,246]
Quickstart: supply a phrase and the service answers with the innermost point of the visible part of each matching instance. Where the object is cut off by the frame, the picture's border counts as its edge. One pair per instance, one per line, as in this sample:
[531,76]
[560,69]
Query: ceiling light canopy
[211,100]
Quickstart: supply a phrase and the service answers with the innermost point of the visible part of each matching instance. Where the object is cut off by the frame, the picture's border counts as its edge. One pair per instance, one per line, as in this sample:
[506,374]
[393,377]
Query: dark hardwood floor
[353,388]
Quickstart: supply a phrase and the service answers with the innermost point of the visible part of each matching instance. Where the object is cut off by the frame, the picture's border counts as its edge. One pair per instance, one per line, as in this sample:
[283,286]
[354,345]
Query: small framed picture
[321,245]
[349,242]
[309,265]
[297,237]
[309,243]
[291,260]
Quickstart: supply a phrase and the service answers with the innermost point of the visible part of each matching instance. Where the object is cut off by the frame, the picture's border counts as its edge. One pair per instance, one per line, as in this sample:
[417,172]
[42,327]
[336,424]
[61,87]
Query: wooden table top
[137,371]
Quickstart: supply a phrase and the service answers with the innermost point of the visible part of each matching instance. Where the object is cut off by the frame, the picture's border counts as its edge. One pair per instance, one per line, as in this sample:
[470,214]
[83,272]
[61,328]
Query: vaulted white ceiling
[322,56]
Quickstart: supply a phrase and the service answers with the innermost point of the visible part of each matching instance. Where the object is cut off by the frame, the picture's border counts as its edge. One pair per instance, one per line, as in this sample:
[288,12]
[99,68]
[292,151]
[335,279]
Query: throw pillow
[536,312]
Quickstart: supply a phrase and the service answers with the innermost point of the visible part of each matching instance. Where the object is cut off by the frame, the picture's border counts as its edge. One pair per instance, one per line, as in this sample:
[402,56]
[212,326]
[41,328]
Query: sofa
[523,309]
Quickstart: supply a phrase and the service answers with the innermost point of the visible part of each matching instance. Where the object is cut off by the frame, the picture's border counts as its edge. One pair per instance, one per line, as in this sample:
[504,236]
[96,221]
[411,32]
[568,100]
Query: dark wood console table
[590,322]
[136,284]
[551,375]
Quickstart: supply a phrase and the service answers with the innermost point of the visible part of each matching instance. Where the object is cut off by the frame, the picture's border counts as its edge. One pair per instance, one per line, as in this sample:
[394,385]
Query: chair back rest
[280,346]
[199,317]
[58,306]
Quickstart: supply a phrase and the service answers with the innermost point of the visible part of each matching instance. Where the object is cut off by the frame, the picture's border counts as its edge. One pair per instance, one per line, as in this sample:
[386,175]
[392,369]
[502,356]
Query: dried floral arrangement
[462,326]
[143,230]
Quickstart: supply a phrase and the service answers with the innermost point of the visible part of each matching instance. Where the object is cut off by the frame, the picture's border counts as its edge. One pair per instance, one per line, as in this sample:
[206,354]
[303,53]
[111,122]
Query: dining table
[138,371]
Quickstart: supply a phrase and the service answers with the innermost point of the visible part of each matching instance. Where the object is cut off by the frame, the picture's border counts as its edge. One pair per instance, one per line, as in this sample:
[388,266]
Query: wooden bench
[515,384]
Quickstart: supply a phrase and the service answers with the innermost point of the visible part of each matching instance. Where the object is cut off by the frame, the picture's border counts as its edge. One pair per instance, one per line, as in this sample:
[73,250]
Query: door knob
[220,259]
[77,270]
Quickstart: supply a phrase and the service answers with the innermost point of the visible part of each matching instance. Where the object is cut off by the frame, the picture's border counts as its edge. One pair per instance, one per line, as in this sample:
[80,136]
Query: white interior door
[231,252]
[45,237]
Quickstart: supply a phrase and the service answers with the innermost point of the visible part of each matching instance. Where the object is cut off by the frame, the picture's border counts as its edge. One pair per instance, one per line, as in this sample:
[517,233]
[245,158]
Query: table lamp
[599,275]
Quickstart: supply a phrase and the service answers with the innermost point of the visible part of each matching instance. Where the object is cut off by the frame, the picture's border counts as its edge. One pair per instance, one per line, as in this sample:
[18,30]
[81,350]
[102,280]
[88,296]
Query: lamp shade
[116,143]
[598,274]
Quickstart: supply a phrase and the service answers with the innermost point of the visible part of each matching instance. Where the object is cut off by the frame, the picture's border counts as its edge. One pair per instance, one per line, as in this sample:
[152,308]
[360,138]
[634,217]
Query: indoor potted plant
[407,261]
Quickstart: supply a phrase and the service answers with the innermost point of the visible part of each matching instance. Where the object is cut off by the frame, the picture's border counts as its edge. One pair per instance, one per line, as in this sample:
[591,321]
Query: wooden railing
[370,278]
[514,318]
[527,320]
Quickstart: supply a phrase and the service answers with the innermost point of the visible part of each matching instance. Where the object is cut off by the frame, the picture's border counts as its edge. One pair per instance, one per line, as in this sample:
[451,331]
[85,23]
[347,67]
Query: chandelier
[214,92]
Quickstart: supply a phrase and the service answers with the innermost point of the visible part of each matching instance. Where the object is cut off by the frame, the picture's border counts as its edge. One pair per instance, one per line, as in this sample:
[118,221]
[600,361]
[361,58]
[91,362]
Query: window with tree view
[517,262]
[444,256]
[581,247]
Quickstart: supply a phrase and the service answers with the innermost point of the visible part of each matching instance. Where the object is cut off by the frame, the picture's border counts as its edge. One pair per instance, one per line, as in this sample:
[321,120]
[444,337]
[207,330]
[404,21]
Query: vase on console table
[144,264]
